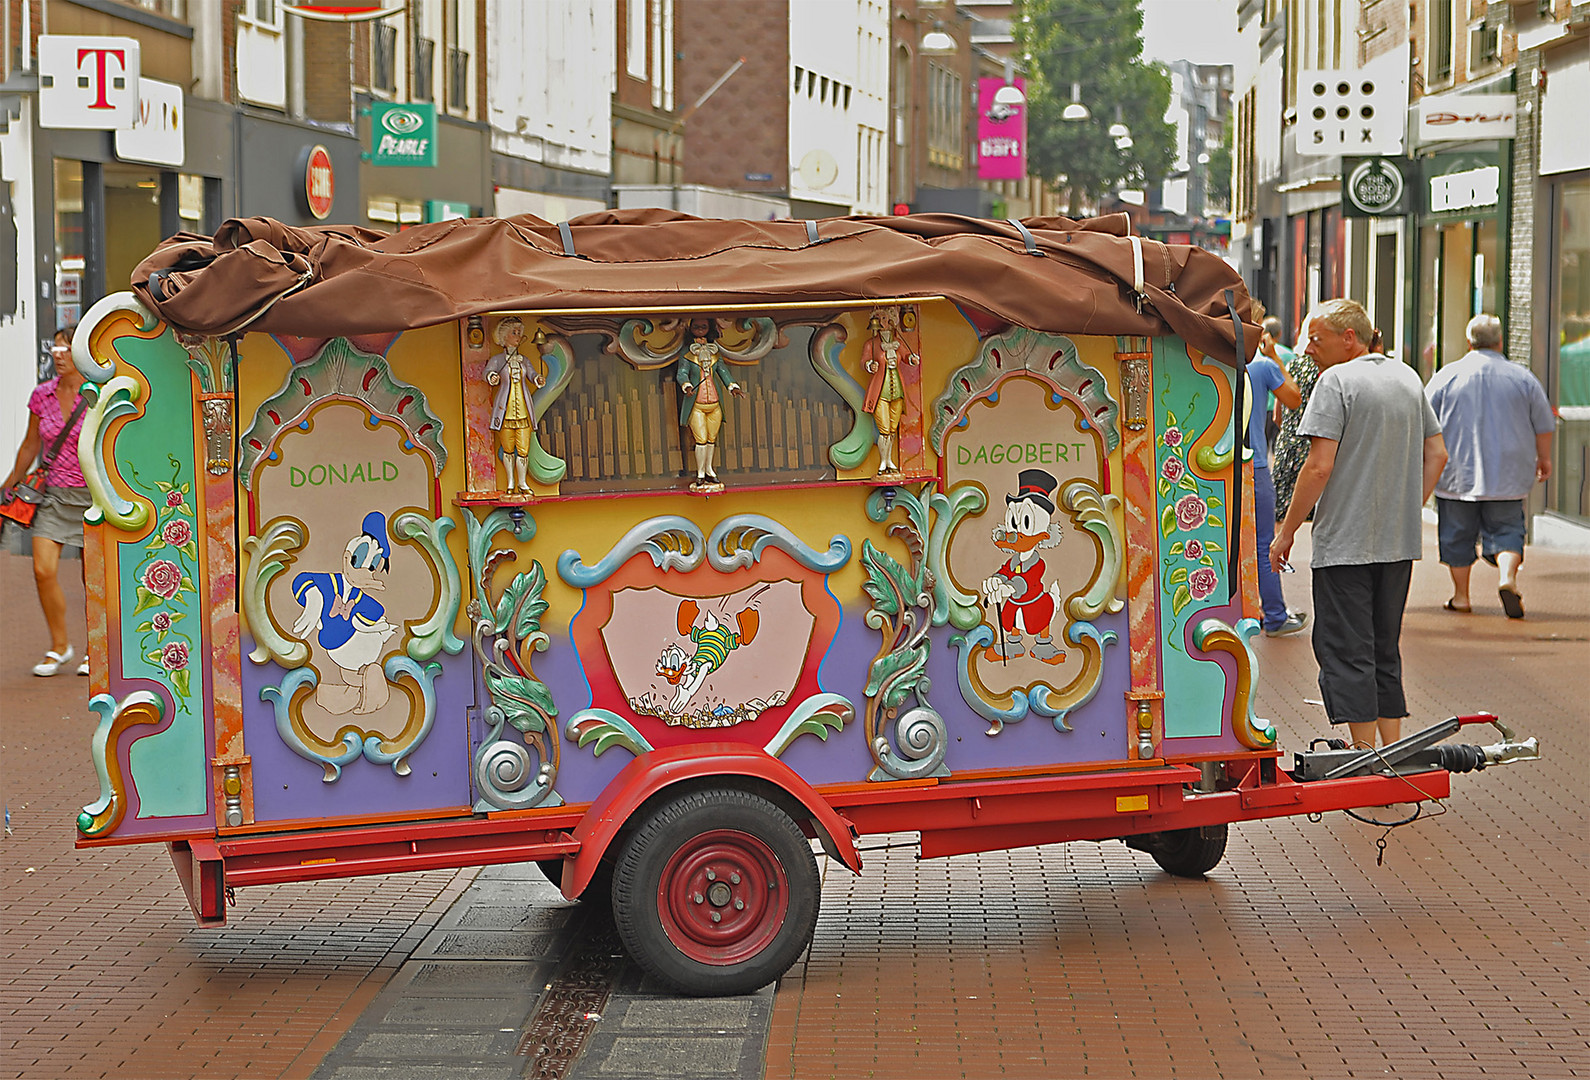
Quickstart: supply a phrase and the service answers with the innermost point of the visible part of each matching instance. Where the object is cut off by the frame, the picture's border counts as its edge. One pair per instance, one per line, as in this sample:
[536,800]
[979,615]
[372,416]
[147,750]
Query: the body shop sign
[403,134]
[319,182]
[1001,133]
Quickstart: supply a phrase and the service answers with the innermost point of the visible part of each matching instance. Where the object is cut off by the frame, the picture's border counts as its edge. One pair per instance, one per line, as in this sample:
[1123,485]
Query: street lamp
[1119,130]
[937,41]
[1010,93]
[1076,110]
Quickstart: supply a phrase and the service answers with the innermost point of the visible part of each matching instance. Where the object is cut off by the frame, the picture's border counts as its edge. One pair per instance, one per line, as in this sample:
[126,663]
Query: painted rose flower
[1201,582]
[161,621]
[1190,512]
[176,532]
[1195,549]
[1172,436]
[174,657]
[174,498]
[163,578]
[1173,469]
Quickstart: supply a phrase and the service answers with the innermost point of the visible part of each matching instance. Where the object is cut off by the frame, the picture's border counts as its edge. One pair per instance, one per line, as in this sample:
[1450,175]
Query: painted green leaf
[1170,420]
[887,580]
[1207,561]
[179,682]
[1177,548]
[1167,521]
[1210,545]
[1188,482]
[191,551]
[901,669]
[146,600]
[1179,599]
[1164,487]
[522,699]
[144,627]
[1217,523]
[1180,574]
[185,488]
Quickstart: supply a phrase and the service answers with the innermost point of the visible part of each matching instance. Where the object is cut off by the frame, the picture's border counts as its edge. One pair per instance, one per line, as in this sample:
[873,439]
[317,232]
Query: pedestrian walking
[1290,448]
[55,418]
[1498,427]
[1268,377]
[1374,456]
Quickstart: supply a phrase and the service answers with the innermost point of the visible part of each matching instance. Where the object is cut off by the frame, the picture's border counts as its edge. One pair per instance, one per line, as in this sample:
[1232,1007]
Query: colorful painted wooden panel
[483,566]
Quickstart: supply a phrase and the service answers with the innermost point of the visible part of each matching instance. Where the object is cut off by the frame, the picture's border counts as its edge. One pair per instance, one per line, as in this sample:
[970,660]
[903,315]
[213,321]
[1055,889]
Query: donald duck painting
[350,624]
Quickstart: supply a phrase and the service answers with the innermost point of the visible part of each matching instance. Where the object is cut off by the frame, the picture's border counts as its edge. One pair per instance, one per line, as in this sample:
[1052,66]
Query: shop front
[402,175]
[1461,249]
[300,173]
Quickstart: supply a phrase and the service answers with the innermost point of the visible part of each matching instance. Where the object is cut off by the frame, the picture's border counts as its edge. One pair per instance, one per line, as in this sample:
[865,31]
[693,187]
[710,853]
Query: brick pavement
[1463,956]
[102,971]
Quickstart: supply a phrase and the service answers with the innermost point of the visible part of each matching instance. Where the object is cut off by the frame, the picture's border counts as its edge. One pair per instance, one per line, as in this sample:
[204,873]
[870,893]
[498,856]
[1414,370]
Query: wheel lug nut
[700,899]
[734,878]
[711,876]
[739,905]
[716,917]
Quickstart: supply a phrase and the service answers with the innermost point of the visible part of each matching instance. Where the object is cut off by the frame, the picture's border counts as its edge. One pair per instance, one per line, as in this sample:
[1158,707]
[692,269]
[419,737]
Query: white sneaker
[82,669]
[53,662]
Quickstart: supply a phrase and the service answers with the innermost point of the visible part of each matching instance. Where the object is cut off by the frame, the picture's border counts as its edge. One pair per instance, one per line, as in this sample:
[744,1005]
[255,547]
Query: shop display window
[1570,324]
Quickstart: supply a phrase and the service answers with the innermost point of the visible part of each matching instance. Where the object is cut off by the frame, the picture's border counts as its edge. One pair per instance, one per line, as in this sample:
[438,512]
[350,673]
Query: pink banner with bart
[1001,132]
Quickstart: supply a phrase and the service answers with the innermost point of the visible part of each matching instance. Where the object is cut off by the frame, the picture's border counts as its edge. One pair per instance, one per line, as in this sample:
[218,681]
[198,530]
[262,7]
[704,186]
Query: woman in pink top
[59,521]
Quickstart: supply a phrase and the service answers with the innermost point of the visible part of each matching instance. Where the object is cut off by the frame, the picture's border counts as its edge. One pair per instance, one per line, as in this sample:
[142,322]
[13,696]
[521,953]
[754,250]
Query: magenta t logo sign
[89,82]
[101,57]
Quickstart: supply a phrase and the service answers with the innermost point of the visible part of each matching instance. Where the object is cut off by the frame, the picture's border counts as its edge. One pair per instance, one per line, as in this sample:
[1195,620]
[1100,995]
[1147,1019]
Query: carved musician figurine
[894,368]
[702,386]
[512,409]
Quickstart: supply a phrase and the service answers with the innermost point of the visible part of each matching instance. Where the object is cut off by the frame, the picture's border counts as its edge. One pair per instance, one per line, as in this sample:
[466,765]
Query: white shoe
[53,662]
[82,669]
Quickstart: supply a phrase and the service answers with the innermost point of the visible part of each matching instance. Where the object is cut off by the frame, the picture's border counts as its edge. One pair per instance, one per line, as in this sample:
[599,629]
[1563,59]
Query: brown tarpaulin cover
[339,281]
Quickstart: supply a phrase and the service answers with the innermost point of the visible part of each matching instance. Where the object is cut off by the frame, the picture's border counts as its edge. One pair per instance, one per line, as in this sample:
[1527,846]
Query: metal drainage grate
[573,1003]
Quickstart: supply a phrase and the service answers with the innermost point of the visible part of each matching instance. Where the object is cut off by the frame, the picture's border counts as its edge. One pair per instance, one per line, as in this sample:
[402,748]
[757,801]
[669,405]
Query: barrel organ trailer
[652,548]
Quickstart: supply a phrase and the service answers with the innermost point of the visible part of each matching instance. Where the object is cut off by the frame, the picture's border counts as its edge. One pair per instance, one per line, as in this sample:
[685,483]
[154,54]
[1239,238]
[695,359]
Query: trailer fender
[660,769]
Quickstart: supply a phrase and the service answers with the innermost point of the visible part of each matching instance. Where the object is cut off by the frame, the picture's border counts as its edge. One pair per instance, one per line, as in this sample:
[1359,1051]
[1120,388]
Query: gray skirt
[60,516]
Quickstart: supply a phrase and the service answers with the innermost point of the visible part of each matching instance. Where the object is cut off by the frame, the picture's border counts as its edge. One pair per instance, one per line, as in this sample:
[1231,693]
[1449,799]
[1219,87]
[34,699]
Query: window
[424,88]
[945,130]
[635,38]
[1442,21]
[457,59]
[383,57]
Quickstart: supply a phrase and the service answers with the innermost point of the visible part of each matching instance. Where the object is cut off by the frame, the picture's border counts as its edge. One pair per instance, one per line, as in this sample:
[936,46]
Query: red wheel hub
[723,897]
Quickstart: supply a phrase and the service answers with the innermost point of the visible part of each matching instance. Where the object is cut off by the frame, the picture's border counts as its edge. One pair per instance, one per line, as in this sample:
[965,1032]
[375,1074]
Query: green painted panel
[1194,565]
[162,608]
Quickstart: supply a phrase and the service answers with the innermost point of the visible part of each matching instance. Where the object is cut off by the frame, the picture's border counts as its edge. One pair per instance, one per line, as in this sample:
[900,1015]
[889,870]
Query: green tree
[1096,45]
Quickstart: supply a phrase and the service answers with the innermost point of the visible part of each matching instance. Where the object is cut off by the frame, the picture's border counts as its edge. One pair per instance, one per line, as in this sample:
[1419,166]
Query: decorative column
[214,364]
[1145,698]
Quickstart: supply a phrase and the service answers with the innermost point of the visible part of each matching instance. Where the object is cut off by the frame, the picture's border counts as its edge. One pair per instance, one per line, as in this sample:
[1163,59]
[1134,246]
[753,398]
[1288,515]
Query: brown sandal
[1450,606]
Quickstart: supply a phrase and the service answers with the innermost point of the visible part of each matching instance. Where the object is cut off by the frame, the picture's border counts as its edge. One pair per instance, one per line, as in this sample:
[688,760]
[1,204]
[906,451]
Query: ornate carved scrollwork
[507,631]
[902,608]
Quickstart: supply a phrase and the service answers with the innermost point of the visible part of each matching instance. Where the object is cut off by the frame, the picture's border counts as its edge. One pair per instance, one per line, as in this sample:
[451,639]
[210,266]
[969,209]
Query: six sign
[1354,110]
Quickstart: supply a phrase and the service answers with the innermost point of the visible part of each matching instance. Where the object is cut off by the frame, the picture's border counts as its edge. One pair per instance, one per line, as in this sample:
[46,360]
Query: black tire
[686,922]
[1191,853]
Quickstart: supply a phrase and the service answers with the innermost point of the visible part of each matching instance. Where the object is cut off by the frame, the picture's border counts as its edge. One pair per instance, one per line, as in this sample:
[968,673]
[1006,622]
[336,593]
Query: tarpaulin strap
[568,240]
[1026,237]
[1137,271]
[1241,383]
[811,231]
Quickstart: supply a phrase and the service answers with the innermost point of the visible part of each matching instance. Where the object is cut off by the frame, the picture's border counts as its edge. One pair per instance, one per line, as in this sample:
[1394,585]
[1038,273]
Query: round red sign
[319,183]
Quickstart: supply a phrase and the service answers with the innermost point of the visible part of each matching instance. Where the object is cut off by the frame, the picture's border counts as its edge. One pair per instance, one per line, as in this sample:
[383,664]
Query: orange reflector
[1126,804]
[323,862]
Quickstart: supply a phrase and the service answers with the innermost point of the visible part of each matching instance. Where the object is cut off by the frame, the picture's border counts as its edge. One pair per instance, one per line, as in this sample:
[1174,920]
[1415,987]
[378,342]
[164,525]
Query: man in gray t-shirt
[1375,453]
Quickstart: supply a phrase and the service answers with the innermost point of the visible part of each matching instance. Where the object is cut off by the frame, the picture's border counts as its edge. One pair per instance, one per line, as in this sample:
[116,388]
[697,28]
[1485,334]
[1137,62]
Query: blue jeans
[1275,612]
